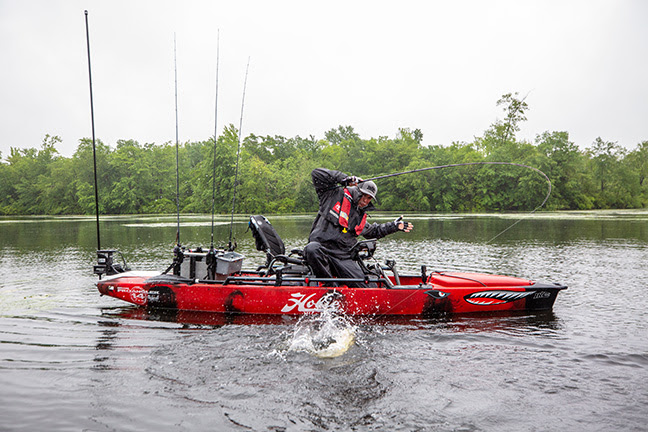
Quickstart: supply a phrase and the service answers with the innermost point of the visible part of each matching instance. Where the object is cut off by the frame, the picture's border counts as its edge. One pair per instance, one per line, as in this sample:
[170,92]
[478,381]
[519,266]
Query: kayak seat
[266,237]
[267,240]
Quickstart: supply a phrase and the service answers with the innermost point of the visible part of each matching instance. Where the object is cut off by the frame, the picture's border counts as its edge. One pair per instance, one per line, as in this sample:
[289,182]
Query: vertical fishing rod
[94,150]
[215,139]
[175,68]
[238,154]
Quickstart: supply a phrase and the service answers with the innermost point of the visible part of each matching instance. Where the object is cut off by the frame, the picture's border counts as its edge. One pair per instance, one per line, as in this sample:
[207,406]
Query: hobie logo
[137,294]
[303,303]
[139,297]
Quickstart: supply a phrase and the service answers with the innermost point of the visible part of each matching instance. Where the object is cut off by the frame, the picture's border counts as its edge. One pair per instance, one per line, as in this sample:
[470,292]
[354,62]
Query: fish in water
[323,335]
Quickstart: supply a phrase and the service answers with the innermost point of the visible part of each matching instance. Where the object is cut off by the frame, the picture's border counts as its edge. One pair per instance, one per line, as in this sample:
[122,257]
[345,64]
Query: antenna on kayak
[94,150]
[238,154]
[215,139]
[175,69]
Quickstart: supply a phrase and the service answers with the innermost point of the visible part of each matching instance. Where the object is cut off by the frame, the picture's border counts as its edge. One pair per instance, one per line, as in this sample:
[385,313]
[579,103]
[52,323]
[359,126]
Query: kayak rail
[279,280]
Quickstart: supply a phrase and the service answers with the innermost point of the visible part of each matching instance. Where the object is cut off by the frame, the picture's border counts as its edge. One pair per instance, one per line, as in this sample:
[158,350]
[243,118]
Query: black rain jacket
[327,229]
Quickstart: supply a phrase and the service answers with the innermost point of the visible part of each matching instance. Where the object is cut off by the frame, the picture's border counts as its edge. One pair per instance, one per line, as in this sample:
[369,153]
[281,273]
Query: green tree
[610,176]
[83,169]
[29,178]
[200,176]
[565,165]
[499,139]
[637,163]
[274,172]
[341,134]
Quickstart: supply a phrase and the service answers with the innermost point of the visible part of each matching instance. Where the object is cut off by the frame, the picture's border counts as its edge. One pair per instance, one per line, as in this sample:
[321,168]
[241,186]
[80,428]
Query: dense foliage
[274,173]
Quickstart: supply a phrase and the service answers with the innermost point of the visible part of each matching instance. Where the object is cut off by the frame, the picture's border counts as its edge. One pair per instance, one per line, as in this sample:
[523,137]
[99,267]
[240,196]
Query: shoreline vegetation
[224,219]
[274,173]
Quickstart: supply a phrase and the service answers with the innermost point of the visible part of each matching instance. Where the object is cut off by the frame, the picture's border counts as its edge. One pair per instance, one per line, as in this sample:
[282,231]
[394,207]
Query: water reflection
[196,318]
[545,322]
[108,333]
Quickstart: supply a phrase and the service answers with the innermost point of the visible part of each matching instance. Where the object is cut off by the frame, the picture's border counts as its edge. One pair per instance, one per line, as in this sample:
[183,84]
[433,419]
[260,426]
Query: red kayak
[214,281]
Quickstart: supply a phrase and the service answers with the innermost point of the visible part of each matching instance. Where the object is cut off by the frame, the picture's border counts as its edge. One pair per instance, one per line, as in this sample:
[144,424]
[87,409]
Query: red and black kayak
[250,293]
[214,281]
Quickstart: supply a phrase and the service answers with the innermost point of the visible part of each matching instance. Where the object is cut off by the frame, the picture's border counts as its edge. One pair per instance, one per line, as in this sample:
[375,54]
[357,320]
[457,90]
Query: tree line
[274,173]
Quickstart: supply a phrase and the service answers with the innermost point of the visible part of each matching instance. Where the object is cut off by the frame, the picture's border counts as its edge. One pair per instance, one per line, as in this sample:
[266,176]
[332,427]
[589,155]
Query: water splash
[324,335]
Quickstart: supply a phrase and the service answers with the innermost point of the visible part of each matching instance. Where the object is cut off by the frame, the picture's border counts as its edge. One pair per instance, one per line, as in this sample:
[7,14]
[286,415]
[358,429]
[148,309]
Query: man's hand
[403,225]
[351,181]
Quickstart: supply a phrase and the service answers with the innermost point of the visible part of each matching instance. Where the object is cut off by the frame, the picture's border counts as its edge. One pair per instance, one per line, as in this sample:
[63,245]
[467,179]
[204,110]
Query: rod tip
[85,12]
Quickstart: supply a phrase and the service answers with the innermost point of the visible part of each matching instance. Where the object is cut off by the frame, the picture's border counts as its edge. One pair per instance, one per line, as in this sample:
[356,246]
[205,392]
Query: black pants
[327,265]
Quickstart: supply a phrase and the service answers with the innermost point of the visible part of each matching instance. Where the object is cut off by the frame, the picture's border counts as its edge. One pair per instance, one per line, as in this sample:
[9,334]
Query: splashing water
[324,335]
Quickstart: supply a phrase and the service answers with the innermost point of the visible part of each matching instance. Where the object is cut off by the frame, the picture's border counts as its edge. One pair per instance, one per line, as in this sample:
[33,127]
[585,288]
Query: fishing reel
[363,250]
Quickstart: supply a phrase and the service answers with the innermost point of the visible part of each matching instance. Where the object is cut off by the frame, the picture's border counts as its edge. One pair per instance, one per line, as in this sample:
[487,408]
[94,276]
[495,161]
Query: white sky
[439,66]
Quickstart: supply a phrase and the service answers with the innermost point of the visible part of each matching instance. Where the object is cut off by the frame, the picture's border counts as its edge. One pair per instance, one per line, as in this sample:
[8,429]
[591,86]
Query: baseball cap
[368,188]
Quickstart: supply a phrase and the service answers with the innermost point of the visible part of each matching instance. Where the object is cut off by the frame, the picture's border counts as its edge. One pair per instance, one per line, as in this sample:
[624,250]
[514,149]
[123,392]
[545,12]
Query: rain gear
[337,225]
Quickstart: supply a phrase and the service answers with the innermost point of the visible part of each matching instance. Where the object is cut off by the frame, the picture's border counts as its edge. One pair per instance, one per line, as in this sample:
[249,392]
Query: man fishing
[341,219]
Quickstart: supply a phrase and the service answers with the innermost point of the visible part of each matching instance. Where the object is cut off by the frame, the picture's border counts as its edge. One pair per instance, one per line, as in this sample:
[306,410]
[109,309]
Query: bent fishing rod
[380,177]
[469,164]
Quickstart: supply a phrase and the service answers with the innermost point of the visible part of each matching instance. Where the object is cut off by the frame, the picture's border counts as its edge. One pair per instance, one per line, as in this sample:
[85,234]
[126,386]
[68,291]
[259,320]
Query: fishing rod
[477,163]
[468,164]
[175,68]
[215,140]
[105,263]
[94,149]
[238,153]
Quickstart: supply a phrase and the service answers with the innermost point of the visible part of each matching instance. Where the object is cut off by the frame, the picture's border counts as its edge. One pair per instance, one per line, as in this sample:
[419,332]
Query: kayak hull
[453,293]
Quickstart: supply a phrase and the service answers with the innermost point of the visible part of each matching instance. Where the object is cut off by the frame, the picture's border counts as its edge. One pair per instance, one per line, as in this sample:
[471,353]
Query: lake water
[72,360]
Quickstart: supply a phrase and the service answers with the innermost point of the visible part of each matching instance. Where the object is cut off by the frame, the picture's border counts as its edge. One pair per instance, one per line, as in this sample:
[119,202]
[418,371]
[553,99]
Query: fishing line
[94,149]
[238,154]
[479,163]
[215,140]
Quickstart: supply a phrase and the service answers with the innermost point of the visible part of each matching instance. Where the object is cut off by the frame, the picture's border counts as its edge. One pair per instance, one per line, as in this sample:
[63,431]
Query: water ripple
[72,360]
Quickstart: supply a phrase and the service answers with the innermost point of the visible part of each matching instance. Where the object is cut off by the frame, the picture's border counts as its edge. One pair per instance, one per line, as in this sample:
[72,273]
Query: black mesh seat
[267,239]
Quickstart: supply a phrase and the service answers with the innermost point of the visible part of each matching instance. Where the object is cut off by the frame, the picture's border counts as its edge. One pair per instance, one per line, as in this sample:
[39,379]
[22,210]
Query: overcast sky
[439,66]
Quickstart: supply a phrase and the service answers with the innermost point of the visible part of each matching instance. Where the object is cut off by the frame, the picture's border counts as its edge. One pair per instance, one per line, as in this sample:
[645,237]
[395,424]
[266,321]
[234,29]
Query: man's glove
[351,181]
[403,225]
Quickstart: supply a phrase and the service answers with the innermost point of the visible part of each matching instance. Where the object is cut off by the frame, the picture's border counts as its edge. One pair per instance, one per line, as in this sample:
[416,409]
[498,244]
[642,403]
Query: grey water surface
[73,360]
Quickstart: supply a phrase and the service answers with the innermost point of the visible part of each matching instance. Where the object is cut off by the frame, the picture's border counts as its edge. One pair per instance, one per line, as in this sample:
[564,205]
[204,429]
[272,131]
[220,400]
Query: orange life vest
[341,211]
